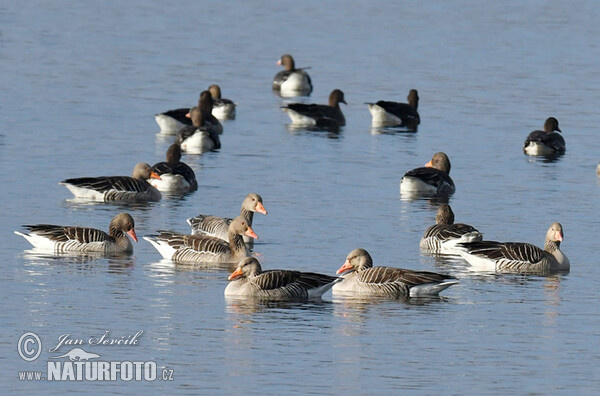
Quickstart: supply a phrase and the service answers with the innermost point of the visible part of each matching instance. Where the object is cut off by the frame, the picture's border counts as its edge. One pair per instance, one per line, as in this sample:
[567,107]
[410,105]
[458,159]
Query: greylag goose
[445,234]
[219,226]
[386,113]
[249,280]
[362,279]
[82,239]
[518,256]
[322,116]
[174,174]
[291,81]
[206,105]
[433,178]
[117,188]
[173,120]
[198,138]
[204,249]
[546,142]
[223,109]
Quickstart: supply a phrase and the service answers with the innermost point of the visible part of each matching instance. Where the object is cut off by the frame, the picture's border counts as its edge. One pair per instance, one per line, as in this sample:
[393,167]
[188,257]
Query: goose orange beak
[154,175]
[429,165]
[260,208]
[558,235]
[346,267]
[235,274]
[250,232]
[132,235]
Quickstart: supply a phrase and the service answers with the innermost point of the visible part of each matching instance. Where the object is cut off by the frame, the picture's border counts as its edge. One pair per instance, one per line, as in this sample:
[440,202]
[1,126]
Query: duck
[117,188]
[250,281]
[360,278]
[546,142]
[173,120]
[445,234]
[206,105]
[198,138]
[218,227]
[175,175]
[433,178]
[291,81]
[60,239]
[385,113]
[518,256]
[223,109]
[183,248]
[323,116]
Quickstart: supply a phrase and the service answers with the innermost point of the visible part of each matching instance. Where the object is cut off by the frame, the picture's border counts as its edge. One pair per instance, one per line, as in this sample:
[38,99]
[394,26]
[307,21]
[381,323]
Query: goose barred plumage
[362,279]
[546,142]
[291,81]
[219,226]
[386,113]
[433,178]
[518,256]
[175,175]
[249,280]
[445,234]
[117,188]
[62,239]
[200,248]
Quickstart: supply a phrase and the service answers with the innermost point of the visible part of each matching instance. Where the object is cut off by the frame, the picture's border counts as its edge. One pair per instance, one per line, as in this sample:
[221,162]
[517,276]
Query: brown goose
[321,116]
[433,178]
[362,279]
[546,142]
[386,113]
[518,256]
[291,81]
[82,239]
[445,234]
[174,174]
[198,138]
[223,109]
[219,226]
[117,188]
[204,249]
[249,280]
[206,105]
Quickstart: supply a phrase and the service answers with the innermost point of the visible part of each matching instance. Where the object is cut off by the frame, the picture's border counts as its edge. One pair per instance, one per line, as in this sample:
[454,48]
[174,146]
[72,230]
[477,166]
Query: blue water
[81,84]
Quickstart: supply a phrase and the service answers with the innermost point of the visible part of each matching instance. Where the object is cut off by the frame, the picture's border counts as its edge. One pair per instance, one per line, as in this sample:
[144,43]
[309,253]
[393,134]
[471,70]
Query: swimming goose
[518,256]
[174,174]
[445,234]
[219,226]
[173,120]
[201,248]
[249,280]
[324,116]
[223,109]
[362,279]
[117,188]
[206,105]
[291,81]
[546,142]
[386,113]
[83,239]
[433,178]
[198,138]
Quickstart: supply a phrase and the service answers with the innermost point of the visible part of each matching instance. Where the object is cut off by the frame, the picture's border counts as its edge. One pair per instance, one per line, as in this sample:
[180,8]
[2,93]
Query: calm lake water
[81,84]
